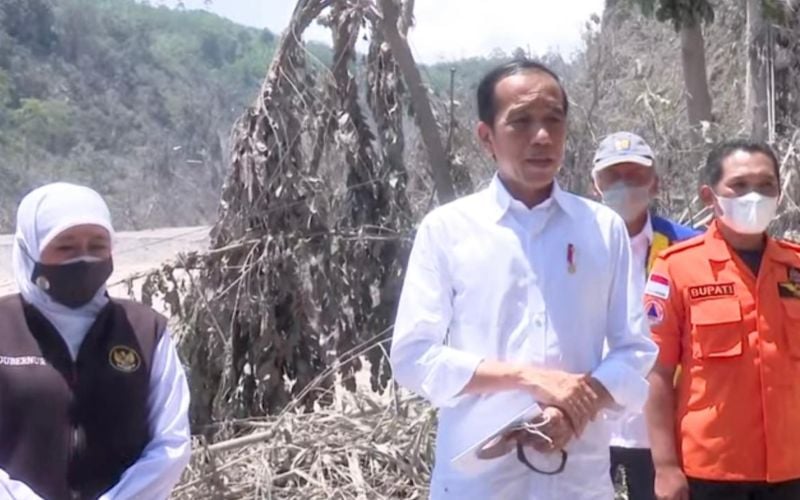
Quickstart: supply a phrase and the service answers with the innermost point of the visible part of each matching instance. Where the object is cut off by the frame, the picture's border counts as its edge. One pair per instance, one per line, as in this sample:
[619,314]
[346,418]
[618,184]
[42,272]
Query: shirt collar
[646,234]
[720,251]
[500,199]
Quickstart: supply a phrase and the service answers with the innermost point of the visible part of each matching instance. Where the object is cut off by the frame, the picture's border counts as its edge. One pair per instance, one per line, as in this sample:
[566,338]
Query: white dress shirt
[153,476]
[630,431]
[489,278]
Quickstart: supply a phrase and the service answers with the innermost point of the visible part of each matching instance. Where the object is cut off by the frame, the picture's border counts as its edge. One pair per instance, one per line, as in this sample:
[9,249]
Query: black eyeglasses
[503,444]
[527,455]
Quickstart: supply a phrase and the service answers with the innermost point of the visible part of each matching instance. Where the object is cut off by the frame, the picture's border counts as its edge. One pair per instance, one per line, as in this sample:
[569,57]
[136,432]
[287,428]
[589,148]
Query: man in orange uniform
[726,307]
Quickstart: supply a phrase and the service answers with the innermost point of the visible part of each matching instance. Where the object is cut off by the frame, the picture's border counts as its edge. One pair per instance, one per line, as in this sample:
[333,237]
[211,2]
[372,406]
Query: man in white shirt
[625,176]
[518,287]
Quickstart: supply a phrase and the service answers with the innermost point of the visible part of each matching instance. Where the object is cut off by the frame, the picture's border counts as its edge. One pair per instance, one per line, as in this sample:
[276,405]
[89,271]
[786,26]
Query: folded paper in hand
[485,422]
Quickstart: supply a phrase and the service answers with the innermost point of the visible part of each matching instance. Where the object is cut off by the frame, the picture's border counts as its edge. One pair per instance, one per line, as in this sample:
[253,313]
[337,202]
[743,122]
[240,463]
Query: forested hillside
[134,100]
[138,101]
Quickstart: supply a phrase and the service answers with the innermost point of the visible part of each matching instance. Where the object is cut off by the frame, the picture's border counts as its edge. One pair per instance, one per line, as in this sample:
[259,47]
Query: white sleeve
[159,468]
[420,359]
[631,352]
[15,490]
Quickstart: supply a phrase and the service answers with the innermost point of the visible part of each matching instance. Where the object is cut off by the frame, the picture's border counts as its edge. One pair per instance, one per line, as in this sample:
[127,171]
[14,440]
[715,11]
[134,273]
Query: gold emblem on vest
[124,359]
[789,290]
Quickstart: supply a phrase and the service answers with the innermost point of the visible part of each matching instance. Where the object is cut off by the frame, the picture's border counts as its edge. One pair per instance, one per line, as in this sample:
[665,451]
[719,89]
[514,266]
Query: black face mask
[74,284]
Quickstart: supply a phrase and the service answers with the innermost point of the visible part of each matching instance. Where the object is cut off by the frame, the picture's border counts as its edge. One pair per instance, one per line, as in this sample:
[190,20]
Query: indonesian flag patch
[657,286]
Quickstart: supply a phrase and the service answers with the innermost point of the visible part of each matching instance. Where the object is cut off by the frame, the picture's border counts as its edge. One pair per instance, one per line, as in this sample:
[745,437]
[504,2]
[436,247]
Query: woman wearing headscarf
[93,399]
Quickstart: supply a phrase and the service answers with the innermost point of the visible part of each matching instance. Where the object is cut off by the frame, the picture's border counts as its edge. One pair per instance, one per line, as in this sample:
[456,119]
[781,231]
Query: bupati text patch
[712,290]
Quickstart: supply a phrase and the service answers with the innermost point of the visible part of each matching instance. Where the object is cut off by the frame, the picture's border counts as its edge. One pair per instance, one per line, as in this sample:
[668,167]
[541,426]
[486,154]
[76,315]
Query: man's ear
[707,195]
[595,191]
[484,133]
[655,187]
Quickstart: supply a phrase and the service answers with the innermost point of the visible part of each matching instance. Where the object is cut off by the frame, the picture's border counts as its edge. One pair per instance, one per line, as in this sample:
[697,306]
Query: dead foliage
[362,447]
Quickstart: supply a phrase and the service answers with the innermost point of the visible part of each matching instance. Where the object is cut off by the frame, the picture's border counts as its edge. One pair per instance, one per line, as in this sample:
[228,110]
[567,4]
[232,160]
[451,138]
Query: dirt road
[134,252]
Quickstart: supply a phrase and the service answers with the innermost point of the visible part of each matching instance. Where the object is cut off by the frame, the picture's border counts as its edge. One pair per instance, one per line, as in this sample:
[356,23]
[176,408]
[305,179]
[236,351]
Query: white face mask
[629,202]
[748,214]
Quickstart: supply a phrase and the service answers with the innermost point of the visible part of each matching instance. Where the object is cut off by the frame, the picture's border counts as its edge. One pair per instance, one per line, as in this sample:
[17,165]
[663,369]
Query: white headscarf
[42,215]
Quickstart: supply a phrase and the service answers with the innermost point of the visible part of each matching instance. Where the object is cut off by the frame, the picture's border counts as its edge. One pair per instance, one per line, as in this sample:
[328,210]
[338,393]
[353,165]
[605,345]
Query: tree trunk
[423,112]
[693,57]
[756,117]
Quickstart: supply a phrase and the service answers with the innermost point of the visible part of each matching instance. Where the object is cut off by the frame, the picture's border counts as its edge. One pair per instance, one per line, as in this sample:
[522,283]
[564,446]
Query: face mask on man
[748,214]
[629,202]
[75,282]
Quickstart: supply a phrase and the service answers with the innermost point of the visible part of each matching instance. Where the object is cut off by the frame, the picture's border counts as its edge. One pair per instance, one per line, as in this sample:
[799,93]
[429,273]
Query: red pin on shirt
[571,258]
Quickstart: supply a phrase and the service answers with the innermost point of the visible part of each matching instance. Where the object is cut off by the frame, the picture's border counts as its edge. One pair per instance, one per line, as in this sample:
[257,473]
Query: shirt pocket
[791,326]
[717,328]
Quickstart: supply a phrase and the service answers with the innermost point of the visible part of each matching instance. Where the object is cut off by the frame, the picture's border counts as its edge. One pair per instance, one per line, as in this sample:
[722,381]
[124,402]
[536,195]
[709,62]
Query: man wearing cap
[625,176]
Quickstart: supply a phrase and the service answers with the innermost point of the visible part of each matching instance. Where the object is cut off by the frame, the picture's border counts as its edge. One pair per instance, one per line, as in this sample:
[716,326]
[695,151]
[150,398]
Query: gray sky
[481,25]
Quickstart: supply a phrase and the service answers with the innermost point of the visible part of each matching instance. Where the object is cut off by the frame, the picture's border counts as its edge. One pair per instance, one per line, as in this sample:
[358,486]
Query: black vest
[70,429]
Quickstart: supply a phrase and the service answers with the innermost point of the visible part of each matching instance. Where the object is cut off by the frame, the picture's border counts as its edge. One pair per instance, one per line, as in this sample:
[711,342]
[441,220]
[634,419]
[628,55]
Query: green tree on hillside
[29,22]
[46,124]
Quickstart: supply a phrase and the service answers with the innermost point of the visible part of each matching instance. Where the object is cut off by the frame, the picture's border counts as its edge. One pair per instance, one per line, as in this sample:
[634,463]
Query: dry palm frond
[362,448]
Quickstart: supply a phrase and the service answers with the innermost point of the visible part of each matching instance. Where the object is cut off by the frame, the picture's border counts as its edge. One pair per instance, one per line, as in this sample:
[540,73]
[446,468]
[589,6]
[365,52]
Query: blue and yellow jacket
[665,234]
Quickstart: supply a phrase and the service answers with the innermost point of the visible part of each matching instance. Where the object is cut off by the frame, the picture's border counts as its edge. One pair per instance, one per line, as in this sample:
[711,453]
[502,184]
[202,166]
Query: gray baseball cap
[622,147]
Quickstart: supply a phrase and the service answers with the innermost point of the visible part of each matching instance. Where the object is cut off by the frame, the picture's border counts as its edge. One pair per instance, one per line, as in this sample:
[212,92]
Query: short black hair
[487,110]
[712,171]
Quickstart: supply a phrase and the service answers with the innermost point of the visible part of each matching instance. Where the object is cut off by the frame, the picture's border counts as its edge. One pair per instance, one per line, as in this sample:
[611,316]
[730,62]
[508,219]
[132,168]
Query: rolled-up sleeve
[421,360]
[631,353]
